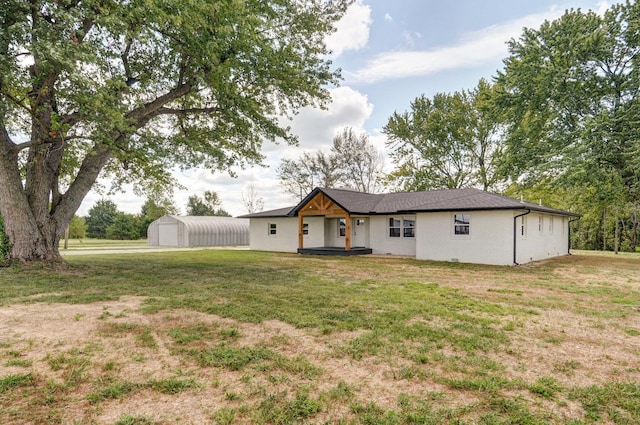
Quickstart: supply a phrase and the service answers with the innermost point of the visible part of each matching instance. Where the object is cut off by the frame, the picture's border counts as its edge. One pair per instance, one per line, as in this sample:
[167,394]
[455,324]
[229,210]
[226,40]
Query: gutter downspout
[569,234]
[515,232]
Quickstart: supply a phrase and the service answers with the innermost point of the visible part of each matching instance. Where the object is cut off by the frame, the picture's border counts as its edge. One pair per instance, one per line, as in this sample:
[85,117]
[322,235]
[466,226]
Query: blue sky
[390,52]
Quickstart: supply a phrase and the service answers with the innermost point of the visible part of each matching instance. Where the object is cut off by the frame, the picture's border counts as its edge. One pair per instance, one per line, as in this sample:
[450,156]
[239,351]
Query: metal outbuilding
[198,231]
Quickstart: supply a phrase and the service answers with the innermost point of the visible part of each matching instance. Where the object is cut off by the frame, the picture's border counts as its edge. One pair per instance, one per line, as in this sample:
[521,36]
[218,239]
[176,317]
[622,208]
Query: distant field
[227,337]
[88,243]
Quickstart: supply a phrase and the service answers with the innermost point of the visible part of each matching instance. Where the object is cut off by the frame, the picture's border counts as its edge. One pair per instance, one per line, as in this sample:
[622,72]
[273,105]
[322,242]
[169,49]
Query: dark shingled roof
[280,212]
[411,202]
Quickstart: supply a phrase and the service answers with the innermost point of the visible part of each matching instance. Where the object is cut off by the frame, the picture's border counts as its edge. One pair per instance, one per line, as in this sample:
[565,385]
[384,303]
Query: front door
[360,229]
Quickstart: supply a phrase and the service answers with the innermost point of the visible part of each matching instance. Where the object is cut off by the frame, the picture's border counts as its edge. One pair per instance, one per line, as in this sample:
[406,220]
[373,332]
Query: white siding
[286,237]
[331,236]
[382,244]
[537,245]
[490,239]
[315,238]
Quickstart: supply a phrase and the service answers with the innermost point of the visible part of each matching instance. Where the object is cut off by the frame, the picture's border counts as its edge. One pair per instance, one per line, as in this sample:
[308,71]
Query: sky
[390,52]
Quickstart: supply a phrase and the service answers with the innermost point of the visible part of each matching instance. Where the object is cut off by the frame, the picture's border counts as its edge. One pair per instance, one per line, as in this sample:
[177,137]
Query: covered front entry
[323,206]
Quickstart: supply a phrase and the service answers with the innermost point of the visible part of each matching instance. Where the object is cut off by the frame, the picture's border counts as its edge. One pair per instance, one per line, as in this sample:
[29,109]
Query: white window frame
[550,225]
[272,230]
[541,224]
[400,221]
[305,229]
[411,227]
[391,224]
[455,225]
[523,227]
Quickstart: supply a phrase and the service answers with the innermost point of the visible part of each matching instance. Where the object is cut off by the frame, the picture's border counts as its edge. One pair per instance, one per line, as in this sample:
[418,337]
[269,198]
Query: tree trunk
[604,229]
[616,243]
[29,240]
[33,225]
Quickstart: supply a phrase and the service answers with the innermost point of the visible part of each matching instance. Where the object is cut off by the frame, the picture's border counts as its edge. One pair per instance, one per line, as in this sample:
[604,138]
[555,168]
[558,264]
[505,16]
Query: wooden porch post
[347,232]
[300,231]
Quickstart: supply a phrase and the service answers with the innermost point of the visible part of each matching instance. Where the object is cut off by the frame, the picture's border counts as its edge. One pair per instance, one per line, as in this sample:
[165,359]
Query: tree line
[105,221]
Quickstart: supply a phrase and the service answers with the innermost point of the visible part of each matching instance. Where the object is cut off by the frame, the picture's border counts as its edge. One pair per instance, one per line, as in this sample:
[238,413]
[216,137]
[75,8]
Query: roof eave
[518,208]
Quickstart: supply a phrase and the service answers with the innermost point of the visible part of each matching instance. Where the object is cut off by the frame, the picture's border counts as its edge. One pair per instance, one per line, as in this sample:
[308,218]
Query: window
[273,229]
[540,224]
[523,226]
[461,224]
[394,227]
[402,227]
[550,226]
[409,227]
[342,227]
[305,229]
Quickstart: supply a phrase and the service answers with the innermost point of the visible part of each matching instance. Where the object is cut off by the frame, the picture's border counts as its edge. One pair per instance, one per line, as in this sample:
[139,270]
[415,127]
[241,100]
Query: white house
[198,231]
[466,225]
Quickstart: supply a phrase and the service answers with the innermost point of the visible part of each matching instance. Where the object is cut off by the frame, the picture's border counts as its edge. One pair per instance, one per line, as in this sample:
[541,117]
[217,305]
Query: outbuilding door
[168,234]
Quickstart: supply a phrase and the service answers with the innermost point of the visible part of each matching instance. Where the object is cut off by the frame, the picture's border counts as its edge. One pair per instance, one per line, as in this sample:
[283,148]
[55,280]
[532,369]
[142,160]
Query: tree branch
[188,111]
[150,110]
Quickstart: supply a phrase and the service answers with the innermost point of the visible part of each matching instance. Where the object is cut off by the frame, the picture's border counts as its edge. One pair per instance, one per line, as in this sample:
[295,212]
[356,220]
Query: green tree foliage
[124,227]
[101,215]
[449,141]
[209,204]
[571,93]
[130,89]
[155,207]
[77,228]
[352,162]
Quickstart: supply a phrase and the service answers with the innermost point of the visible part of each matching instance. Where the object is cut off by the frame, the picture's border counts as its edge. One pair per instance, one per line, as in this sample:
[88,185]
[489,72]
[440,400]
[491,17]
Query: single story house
[186,231]
[465,225]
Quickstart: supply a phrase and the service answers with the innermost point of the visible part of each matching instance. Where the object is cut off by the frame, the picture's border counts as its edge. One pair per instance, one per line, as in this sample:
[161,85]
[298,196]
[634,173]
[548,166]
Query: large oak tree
[131,89]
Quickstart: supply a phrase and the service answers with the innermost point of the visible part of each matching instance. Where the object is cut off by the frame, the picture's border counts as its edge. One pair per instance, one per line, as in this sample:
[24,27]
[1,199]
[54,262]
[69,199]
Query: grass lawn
[226,337]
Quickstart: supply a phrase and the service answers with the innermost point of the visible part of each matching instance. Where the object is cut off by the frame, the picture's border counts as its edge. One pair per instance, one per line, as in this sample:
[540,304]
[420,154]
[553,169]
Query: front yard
[221,337]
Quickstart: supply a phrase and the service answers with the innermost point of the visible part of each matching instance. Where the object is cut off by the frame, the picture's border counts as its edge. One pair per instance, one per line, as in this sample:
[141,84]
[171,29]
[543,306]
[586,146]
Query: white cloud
[408,38]
[316,127]
[601,7]
[475,49]
[352,31]
[388,17]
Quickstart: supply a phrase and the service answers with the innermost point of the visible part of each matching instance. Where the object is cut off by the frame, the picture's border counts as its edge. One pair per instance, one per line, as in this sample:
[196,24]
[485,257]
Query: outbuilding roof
[412,202]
